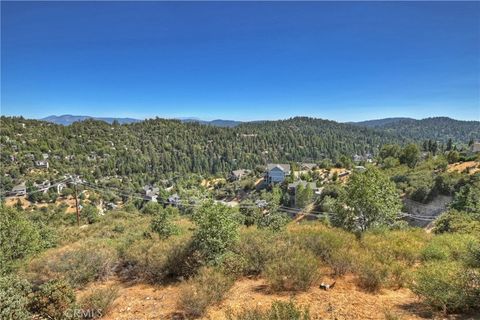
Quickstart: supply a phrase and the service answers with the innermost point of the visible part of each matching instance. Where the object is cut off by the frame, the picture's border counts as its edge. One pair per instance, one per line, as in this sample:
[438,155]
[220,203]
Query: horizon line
[195,118]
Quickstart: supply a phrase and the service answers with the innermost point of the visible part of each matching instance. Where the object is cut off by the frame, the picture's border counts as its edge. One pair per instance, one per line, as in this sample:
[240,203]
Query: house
[307,166]
[174,200]
[18,190]
[276,172]
[358,158]
[111,206]
[150,193]
[42,187]
[368,157]
[260,203]
[43,164]
[360,168]
[239,174]
[475,147]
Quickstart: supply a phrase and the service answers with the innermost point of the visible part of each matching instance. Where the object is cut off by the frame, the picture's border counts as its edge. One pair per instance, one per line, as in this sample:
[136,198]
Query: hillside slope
[437,129]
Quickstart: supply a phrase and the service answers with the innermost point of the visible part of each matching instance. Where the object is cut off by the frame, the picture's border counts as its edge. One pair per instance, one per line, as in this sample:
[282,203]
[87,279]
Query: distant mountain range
[216,123]
[381,122]
[68,119]
[437,128]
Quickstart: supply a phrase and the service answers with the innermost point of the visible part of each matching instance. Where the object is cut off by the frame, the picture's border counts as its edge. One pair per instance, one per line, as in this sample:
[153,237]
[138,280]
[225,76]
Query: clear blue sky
[257,60]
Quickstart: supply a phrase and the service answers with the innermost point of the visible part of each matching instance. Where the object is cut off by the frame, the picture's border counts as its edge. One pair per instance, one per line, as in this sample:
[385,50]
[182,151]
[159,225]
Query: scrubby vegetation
[278,311]
[206,288]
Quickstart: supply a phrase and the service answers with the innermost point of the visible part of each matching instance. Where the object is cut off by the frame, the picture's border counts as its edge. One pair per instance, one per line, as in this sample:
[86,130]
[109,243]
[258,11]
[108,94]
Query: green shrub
[273,220]
[162,222]
[98,302]
[335,247]
[81,264]
[371,275]
[155,261]
[14,298]
[54,299]
[341,261]
[278,311]
[207,288]
[472,258]
[18,238]
[322,241]
[457,221]
[90,213]
[448,247]
[389,246]
[216,232]
[256,248]
[292,269]
[398,275]
[448,286]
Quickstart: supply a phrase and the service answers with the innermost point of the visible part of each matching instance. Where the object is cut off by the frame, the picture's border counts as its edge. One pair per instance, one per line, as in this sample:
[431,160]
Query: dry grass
[474,167]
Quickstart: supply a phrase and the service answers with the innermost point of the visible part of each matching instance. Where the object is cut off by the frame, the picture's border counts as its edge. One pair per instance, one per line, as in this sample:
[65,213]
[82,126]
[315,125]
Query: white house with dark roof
[277,172]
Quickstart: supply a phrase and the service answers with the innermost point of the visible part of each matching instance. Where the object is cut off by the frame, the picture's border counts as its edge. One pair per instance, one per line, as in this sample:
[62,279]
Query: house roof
[151,189]
[174,198]
[240,172]
[19,187]
[309,166]
[281,166]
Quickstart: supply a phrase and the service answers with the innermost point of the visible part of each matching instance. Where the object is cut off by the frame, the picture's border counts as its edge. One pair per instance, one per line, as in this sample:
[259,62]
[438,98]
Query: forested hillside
[437,129]
[158,148]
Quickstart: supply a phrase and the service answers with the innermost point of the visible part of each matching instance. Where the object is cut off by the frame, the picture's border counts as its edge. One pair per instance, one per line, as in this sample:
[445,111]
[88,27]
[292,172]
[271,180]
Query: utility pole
[76,202]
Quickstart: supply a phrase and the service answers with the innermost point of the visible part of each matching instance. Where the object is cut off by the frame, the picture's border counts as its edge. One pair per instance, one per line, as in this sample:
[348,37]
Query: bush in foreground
[279,311]
[98,303]
[155,261]
[162,223]
[449,246]
[255,248]
[216,232]
[53,300]
[80,265]
[18,238]
[292,269]
[207,288]
[371,274]
[448,286]
[14,298]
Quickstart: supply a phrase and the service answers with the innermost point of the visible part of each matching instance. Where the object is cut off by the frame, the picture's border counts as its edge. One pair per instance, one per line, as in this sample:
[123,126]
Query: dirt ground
[70,201]
[344,301]
[474,166]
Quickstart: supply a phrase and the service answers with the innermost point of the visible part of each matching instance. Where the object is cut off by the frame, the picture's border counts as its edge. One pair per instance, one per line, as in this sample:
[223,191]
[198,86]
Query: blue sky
[343,61]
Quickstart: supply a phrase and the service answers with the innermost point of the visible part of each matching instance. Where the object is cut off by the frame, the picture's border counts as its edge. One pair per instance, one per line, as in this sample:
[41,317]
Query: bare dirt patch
[472,166]
[345,301]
